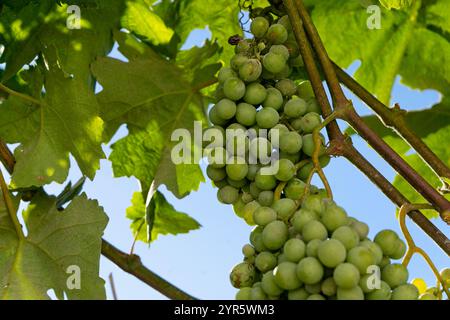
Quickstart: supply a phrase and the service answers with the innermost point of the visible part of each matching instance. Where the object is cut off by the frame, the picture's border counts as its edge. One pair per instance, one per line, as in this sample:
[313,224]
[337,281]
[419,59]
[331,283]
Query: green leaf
[153,107]
[396,4]
[165,219]
[56,242]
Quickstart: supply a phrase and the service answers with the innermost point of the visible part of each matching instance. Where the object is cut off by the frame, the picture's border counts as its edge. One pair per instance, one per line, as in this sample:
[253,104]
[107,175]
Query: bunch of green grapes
[433,293]
[304,246]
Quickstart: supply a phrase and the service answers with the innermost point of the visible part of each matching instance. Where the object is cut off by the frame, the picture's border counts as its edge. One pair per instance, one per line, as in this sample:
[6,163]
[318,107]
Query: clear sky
[199,262]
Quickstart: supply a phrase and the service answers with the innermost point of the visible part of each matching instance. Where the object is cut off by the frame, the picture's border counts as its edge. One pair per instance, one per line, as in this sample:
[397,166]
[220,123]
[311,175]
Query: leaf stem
[6,157]
[19,95]
[10,207]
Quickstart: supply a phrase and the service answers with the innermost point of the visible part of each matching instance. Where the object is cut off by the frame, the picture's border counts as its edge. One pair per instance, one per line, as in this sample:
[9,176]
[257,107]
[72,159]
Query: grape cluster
[304,246]
[433,293]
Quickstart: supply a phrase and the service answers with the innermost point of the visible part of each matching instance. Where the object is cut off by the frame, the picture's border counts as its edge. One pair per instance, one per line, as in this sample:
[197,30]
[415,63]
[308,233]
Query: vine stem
[412,247]
[19,95]
[10,207]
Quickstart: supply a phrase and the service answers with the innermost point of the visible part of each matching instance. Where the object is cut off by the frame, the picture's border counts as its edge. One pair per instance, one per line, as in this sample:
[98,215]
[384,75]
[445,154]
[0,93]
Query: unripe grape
[269,284]
[281,50]
[252,170]
[260,149]
[296,124]
[234,88]
[313,288]
[314,203]
[329,287]
[226,73]
[334,217]
[257,293]
[228,195]
[295,107]
[295,189]
[277,34]
[215,174]
[226,109]
[347,236]
[237,146]
[292,157]
[238,184]
[246,197]
[331,253]
[265,198]
[264,215]
[265,261]
[250,70]
[361,258]
[316,297]
[237,61]
[384,262]
[286,276]
[346,275]
[275,235]
[255,93]
[286,170]
[395,274]
[387,240]
[248,251]
[265,182]
[242,275]
[291,142]
[314,230]
[274,63]
[215,118]
[298,294]
[284,20]
[405,292]
[310,121]
[312,248]
[309,145]
[220,184]
[305,90]
[294,250]
[244,293]
[427,296]
[400,250]
[243,47]
[304,172]
[274,99]
[301,217]
[238,207]
[313,106]
[266,74]
[259,27]
[310,270]
[285,73]
[445,274]
[217,157]
[361,228]
[285,208]
[354,293]
[383,293]
[267,118]
[246,114]
[218,93]
[287,87]
[237,170]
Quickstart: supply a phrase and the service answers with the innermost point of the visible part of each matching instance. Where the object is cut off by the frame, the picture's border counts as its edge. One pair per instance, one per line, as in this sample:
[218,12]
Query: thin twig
[6,157]
[19,95]
[113,286]
[10,207]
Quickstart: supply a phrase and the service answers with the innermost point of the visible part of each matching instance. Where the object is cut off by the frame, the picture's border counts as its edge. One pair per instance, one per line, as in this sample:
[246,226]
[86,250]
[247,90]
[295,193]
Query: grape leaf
[153,107]
[396,4]
[56,242]
[159,218]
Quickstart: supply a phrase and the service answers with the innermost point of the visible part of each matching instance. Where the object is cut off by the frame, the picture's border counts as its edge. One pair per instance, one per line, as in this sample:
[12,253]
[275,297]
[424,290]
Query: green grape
[264,215]
[333,217]
[238,184]
[242,275]
[265,198]
[213,137]
[376,250]
[291,142]
[316,297]
[237,61]
[314,203]
[226,73]
[265,182]
[384,262]
[277,34]
[294,250]
[220,184]
[366,283]
[310,121]
[295,107]
[383,293]
[243,47]
[346,275]
[313,106]
[244,293]
[286,276]
[248,212]
[269,284]
[312,248]
[254,190]
[260,148]
[250,71]
[265,261]
[237,146]
[274,99]
[275,235]
[309,145]
[354,293]
[218,93]
[215,118]
[301,217]
[259,27]
[405,292]
[427,296]
[284,208]
[256,239]
[329,287]
[284,20]
[286,170]
[282,258]
[295,189]
[266,75]
[310,270]
[394,275]
[445,274]
[305,90]
[252,170]
[285,73]
[361,258]
[217,157]
[304,172]
[267,118]
[248,251]
[313,288]
[234,88]
[257,293]
[246,114]
[281,50]
[239,128]
[331,253]
[387,240]
[292,157]
[400,250]
[314,230]
[215,174]
[287,87]
[246,197]
[296,124]
[361,228]
[298,294]
[280,129]
[347,236]
[274,63]
[228,195]
[237,170]
[238,207]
